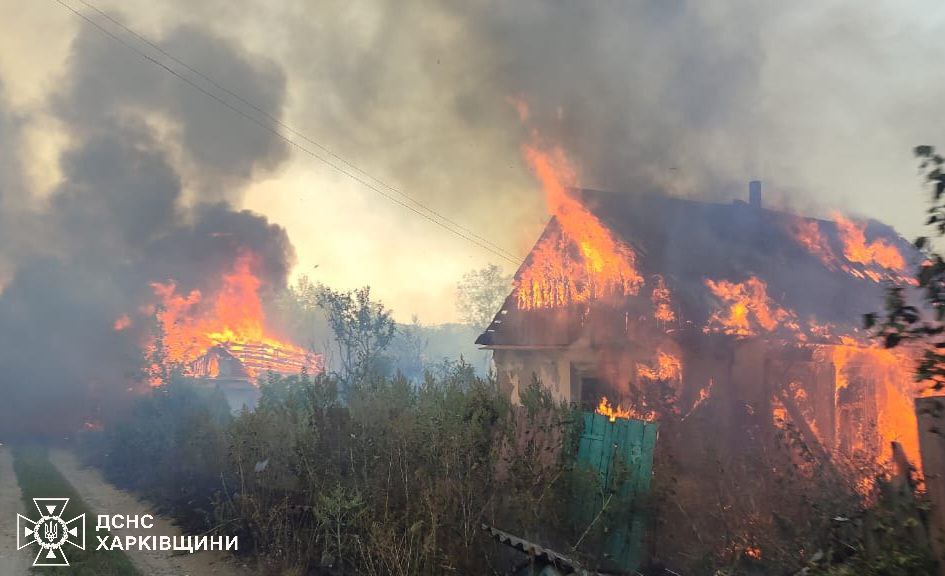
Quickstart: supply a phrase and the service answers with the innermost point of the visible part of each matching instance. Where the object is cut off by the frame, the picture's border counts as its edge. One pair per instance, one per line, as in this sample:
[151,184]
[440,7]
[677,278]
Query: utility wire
[327,156]
[288,128]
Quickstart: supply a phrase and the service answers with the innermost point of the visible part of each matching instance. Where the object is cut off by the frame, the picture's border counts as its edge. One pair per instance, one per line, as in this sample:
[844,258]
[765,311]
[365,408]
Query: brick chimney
[754,194]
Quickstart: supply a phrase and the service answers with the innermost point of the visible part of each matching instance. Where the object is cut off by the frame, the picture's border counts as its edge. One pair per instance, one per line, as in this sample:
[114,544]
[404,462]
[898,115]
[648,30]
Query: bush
[171,447]
[397,479]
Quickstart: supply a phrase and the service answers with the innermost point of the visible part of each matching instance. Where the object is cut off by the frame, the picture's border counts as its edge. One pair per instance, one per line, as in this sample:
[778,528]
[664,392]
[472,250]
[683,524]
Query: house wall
[582,369]
[516,368]
[742,377]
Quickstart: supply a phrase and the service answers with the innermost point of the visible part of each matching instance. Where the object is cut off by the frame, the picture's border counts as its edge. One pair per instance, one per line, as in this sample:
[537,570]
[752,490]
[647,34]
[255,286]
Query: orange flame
[121,323]
[234,317]
[748,308]
[856,248]
[612,412]
[585,262]
[878,260]
[889,371]
[807,233]
[662,303]
[704,394]
[668,367]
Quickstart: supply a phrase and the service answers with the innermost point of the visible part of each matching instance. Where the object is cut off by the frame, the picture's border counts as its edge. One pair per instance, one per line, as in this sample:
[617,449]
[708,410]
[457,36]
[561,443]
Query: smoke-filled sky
[821,100]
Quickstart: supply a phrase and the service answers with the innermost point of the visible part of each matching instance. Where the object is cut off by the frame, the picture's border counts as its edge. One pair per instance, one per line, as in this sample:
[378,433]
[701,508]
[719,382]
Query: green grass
[38,478]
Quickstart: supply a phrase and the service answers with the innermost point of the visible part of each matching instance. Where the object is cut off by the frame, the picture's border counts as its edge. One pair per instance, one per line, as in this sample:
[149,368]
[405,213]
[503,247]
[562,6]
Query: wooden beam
[810,437]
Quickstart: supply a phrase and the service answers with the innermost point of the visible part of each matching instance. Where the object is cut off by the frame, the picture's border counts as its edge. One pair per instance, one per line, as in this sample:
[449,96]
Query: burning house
[643,305]
[235,367]
[223,339]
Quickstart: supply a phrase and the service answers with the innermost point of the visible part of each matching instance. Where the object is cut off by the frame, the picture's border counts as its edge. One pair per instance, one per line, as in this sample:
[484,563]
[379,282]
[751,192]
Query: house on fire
[754,308]
[234,367]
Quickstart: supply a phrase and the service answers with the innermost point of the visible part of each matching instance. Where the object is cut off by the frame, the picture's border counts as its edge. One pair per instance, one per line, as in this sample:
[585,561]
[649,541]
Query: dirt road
[11,562]
[102,496]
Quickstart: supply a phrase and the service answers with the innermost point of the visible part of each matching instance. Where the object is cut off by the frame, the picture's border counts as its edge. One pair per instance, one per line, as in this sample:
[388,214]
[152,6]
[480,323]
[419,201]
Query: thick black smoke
[642,94]
[688,96]
[147,185]
[215,149]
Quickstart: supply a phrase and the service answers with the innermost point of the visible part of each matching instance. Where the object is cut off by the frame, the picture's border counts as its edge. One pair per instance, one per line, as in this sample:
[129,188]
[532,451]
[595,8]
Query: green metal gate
[622,454]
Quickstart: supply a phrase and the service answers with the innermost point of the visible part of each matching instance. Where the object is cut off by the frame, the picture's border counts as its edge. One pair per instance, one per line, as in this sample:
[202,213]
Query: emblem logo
[50,531]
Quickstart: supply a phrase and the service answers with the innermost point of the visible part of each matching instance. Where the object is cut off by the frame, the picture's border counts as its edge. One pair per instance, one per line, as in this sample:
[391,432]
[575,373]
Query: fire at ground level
[850,402]
[754,435]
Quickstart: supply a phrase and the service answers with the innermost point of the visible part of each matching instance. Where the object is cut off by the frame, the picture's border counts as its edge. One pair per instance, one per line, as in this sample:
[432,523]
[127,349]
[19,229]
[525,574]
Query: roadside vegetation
[389,464]
[396,479]
[399,477]
[38,478]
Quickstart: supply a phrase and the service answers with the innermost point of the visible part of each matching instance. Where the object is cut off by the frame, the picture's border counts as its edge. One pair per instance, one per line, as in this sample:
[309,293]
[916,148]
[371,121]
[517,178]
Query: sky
[820,101]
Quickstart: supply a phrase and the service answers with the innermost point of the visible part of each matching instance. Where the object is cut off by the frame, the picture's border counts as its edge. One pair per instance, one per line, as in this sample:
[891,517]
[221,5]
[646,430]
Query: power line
[333,160]
[290,129]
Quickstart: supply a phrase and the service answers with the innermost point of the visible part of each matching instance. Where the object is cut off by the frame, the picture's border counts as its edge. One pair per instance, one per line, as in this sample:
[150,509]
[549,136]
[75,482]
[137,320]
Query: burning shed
[661,304]
[235,367]
[222,337]
[250,360]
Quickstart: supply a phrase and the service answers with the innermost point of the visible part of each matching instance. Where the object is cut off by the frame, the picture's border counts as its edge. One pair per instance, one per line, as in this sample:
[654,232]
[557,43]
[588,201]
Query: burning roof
[247,361]
[754,307]
[734,268]
[221,334]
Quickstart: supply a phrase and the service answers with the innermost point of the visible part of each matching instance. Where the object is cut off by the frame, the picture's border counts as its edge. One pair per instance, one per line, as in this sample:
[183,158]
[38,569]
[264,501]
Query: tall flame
[235,314]
[233,317]
[584,262]
[662,301]
[581,260]
[889,371]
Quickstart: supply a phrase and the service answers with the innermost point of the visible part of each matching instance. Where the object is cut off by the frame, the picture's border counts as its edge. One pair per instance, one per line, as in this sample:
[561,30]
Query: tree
[301,316]
[409,349]
[481,293]
[924,325]
[363,329]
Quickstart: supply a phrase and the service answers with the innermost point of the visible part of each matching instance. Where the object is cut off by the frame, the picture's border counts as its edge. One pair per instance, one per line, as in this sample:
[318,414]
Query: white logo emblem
[51,532]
